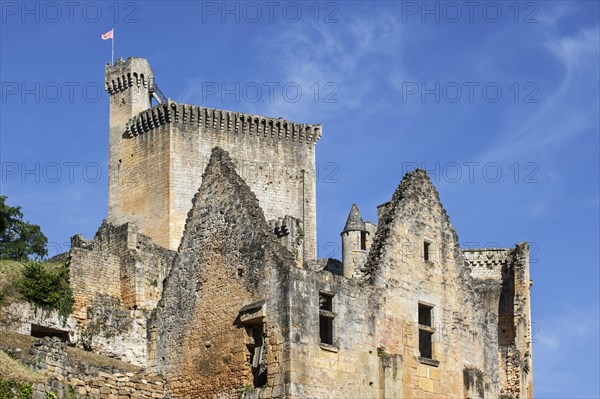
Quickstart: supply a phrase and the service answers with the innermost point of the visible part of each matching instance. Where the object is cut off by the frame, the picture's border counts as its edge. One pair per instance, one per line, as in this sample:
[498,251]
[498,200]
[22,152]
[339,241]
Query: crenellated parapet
[135,72]
[149,120]
[490,257]
[223,121]
[121,83]
[486,263]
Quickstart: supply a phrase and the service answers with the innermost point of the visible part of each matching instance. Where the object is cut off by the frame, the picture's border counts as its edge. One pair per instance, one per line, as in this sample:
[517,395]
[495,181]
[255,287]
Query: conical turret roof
[355,221]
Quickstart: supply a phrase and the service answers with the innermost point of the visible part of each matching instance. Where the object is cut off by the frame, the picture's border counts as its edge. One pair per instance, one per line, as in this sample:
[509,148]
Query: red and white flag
[108,35]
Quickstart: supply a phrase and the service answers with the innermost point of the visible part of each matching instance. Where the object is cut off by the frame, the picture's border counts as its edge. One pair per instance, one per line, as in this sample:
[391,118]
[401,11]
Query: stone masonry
[157,156]
[205,273]
[234,288]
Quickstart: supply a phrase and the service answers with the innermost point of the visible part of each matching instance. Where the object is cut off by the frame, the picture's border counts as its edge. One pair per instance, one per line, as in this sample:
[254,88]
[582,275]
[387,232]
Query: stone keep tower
[158,155]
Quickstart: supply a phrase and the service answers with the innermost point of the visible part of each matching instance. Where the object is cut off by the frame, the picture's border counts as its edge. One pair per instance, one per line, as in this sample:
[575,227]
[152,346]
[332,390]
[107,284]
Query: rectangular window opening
[258,357]
[326,317]
[425,314]
[426,247]
[326,330]
[425,344]
[326,302]
[426,331]
[363,240]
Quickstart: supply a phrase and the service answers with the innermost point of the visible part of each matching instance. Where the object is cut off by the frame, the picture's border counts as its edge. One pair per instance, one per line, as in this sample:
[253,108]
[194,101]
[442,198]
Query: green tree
[18,239]
[47,287]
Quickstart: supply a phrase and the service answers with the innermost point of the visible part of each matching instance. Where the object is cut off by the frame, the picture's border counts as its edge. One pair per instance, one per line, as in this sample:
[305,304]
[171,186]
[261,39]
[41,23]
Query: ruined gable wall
[521,262]
[271,161]
[227,259]
[396,264]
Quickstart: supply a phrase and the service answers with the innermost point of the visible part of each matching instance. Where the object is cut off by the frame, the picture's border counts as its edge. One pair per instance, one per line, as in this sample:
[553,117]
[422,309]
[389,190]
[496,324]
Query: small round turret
[354,242]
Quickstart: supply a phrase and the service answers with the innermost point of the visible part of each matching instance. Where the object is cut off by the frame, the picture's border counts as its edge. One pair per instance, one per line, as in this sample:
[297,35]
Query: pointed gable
[416,202]
[226,259]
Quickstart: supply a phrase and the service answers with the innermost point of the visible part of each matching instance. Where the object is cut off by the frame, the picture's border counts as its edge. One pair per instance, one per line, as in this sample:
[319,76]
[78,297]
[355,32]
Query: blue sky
[499,101]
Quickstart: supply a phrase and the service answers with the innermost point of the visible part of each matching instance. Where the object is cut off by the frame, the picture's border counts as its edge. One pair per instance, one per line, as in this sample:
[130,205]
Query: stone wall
[158,155]
[116,280]
[68,376]
[509,268]
[461,327]
[223,298]
[234,289]
[19,317]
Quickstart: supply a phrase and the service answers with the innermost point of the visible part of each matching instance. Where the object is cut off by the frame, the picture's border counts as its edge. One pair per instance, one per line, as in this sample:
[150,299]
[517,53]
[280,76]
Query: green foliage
[11,390]
[51,395]
[71,392]
[382,353]
[6,389]
[47,288]
[18,239]
[10,354]
[25,391]
[480,375]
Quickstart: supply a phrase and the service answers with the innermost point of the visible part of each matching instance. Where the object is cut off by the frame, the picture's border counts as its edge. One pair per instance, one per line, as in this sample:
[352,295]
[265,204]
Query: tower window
[426,331]
[326,317]
[425,315]
[363,240]
[425,344]
[426,250]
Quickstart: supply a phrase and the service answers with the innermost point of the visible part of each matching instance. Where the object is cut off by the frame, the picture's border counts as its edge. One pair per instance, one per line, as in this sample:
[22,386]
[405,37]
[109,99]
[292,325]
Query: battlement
[487,263]
[135,72]
[490,257]
[225,121]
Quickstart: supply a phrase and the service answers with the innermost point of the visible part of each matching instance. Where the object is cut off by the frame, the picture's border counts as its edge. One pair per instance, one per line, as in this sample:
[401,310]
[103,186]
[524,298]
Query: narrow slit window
[363,240]
[426,248]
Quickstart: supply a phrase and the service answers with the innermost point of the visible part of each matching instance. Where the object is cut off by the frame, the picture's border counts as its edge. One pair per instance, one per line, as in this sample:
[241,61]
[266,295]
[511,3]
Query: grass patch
[11,273]
[100,361]
[14,370]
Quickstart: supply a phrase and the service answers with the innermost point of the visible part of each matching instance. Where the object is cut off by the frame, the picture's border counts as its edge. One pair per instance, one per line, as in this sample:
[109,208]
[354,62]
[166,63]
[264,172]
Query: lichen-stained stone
[243,309]
[158,153]
[225,293]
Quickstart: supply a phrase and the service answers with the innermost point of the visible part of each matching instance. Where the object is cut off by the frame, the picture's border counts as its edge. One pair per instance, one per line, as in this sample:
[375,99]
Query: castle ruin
[205,271]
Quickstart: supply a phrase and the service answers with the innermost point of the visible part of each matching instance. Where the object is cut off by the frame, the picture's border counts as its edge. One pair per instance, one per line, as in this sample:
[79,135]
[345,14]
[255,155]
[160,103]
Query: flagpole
[112,54]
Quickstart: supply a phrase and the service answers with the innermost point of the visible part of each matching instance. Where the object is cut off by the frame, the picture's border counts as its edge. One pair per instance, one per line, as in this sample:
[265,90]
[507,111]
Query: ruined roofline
[404,192]
[490,257]
[496,249]
[222,120]
[486,249]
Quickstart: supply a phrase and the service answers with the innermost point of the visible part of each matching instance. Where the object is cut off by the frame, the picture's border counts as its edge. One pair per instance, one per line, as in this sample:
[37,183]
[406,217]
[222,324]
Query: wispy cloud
[559,342]
[344,56]
[536,132]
